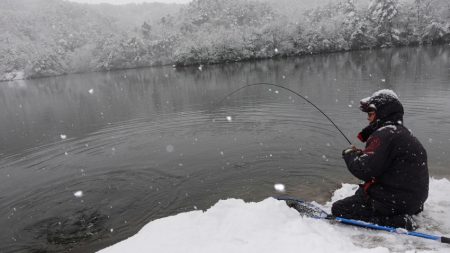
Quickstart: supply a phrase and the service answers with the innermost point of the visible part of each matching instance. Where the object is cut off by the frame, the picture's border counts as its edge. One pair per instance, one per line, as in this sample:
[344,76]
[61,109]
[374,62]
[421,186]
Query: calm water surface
[149,143]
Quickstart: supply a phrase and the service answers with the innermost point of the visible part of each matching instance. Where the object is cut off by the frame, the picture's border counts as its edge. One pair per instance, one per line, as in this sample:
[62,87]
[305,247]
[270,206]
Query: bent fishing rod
[292,91]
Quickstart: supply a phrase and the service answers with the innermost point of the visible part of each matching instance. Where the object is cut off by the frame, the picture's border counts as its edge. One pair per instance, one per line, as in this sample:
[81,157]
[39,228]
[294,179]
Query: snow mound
[270,226]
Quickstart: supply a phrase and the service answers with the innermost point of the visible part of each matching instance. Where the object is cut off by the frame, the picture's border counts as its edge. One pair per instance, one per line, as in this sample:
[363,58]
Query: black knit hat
[388,109]
[385,103]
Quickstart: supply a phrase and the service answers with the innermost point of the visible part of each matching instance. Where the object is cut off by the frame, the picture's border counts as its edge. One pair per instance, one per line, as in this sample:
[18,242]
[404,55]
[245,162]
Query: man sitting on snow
[393,167]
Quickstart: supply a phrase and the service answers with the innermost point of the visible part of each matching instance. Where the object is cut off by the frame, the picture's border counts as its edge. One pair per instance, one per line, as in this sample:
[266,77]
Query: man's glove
[351,149]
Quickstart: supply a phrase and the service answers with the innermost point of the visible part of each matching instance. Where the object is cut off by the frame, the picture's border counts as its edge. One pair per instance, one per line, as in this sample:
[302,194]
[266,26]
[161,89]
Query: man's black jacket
[397,163]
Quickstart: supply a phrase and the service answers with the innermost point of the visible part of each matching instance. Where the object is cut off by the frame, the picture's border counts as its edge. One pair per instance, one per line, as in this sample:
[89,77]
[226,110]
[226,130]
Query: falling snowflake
[279,187]
[63,136]
[78,194]
[91,91]
[169,148]
[229,118]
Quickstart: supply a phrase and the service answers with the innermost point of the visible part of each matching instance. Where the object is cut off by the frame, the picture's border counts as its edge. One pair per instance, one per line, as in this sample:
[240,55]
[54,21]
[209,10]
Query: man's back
[404,180]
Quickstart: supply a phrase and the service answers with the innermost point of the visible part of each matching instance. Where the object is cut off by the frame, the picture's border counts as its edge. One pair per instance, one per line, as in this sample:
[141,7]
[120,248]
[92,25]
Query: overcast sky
[129,1]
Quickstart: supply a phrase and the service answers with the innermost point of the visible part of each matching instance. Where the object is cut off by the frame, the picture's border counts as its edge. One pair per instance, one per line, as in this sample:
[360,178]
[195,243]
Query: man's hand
[352,149]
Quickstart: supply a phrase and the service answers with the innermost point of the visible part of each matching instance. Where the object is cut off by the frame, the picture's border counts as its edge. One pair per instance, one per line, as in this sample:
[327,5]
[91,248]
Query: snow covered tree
[146,30]
[228,13]
[348,7]
[422,9]
[435,32]
[52,37]
[382,13]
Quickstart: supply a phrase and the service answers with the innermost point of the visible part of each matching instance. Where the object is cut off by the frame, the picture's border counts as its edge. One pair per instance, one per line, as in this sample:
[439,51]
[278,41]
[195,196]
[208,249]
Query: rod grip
[445,239]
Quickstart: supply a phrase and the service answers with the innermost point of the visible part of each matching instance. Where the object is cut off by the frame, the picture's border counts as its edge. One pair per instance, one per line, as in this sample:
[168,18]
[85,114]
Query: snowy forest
[53,37]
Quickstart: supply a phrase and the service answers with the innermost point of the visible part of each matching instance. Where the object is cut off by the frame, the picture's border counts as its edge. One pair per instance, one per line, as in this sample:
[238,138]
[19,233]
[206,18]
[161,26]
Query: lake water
[87,160]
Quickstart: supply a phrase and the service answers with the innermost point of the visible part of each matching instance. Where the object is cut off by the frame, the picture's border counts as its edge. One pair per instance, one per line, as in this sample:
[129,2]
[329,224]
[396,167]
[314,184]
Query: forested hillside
[53,37]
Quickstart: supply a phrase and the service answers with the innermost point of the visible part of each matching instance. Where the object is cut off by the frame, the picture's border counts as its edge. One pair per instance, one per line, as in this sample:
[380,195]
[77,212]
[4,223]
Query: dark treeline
[54,37]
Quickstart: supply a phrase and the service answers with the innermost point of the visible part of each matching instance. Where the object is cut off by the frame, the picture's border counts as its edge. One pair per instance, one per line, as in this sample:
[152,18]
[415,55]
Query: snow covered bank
[270,226]
[14,75]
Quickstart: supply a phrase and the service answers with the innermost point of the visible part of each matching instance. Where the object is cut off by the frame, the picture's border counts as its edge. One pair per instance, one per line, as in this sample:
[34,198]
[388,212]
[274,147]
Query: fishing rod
[296,93]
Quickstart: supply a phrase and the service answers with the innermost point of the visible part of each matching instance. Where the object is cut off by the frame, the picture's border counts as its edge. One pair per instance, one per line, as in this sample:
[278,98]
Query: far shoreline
[197,64]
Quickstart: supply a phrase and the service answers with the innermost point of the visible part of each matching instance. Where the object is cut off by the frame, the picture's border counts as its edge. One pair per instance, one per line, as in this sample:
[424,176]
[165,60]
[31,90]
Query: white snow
[78,194]
[233,225]
[120,2]
[91,91]
[385,92]
[376,93]
[229,118]
[14,75]
[365,100]
[392,127]
[279,187]
[63,136]
[169,148]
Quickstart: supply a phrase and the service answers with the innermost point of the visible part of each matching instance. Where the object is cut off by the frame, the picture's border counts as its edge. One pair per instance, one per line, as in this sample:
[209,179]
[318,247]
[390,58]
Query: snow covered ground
[270,226]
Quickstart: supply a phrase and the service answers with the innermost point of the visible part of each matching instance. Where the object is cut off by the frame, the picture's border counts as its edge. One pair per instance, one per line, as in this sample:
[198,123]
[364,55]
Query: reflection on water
[148,143]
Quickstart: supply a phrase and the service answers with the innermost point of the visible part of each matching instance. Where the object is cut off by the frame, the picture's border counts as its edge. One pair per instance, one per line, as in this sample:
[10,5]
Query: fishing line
[296,93]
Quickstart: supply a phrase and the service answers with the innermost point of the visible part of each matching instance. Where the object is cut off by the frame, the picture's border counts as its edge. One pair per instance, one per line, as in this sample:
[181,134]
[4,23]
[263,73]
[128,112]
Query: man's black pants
[361,207]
